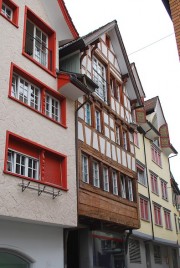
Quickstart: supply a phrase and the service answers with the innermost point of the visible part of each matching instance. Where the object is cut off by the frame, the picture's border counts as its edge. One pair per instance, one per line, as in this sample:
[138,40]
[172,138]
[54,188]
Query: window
[105,179]
[164,190]
[156,155]
[117,137]
[154,184]
[134,251]
[7,11]
[52,108]
[144,209]
[25,92]
[114,182]
[157,215]
[115,90]
[85,169]
[39,42]
[23,165]
[157,254]
[136,140]
[130,190]
[96,181]
[37,96]
[11,258]
[167,217]
[123,186]
[87,116]
[99,77]
[125,140]
[28,160]
[10,11]
[98,121]
[141,173]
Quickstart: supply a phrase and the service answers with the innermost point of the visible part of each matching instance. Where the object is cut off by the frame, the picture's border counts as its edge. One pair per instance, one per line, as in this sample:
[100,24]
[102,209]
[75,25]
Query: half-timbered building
[106,165]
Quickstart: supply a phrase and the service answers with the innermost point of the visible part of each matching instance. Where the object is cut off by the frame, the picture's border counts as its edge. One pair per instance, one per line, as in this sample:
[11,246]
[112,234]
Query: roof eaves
[68,19]
[128,65]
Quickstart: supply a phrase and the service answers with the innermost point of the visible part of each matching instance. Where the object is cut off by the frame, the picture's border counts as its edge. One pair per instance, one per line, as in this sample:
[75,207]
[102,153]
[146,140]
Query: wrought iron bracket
[40,189]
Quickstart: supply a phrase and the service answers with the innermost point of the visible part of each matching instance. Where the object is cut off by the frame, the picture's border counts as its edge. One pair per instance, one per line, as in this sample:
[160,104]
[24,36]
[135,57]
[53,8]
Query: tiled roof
[150,104]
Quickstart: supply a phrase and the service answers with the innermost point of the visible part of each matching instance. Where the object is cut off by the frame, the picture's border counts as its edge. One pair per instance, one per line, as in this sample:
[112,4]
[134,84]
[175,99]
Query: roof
[93,37]
[167,6]
[68,19]
[150,104]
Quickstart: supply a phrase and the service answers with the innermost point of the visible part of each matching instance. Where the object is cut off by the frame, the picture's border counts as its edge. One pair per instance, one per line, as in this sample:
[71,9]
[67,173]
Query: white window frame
[99,77]
[96,180]
[98,120]
[123,186]
[125,145]
[118,139]
[164,191]
[114,182]
[130,189]
[12,164]
[49,111]
[141,173]
[38,54]
[87,113]
[5,11]
[22,90]
[105,179]
[85,169]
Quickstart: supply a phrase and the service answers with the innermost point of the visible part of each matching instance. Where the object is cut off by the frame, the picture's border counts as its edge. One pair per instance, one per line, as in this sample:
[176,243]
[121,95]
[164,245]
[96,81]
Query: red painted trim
[37,181]
[37,146]
[68,19]
[15,10]
[44,88]
[107,238]
[63,79]
[51,40]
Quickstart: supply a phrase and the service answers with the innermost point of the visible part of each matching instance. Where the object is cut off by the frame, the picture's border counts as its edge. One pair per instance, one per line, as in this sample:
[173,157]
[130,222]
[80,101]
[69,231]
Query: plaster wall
[20,120]
[42,244]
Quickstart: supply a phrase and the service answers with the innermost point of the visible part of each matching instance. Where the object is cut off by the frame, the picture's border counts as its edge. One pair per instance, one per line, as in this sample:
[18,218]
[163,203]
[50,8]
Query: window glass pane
[10,260]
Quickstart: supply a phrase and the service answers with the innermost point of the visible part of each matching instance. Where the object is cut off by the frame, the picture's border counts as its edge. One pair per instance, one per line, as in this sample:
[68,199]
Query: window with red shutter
[28,160]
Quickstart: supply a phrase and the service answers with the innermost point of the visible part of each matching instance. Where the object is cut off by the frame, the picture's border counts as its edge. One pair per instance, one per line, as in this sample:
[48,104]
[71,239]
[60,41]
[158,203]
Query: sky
[148,35]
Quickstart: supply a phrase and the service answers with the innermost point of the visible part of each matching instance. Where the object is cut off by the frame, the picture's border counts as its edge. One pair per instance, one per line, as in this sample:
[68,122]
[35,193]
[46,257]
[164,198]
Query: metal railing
[38,51]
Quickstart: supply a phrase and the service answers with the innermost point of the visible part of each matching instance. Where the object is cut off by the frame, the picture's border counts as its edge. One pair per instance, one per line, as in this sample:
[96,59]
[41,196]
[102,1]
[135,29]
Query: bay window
[96,180]
[105,179]
[85,169]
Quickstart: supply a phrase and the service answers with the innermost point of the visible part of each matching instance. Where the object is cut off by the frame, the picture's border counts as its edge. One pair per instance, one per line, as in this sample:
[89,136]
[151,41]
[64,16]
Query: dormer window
[99,77]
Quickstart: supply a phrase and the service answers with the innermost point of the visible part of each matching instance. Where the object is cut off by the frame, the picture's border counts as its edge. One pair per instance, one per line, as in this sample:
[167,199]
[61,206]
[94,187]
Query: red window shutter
[53,170]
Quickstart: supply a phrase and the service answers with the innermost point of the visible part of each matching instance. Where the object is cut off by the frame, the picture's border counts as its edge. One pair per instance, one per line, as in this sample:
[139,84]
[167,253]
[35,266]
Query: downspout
[150,205]
[76,150]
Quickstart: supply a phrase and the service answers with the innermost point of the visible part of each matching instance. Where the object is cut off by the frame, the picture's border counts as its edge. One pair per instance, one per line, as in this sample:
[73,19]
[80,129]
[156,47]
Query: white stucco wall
[42,244]
[31,125]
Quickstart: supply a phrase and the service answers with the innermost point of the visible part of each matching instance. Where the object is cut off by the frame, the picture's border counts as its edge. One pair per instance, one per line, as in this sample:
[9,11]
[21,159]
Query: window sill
[14,24]
[145,185]
[169,229]
[155,193]
[38,112]
[157,164]
[33,180]
[158,225]
[148,221]
[40,65]
[165,199]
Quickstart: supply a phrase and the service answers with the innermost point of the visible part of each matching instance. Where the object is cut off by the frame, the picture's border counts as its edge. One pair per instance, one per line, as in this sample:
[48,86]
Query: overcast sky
[141,23]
